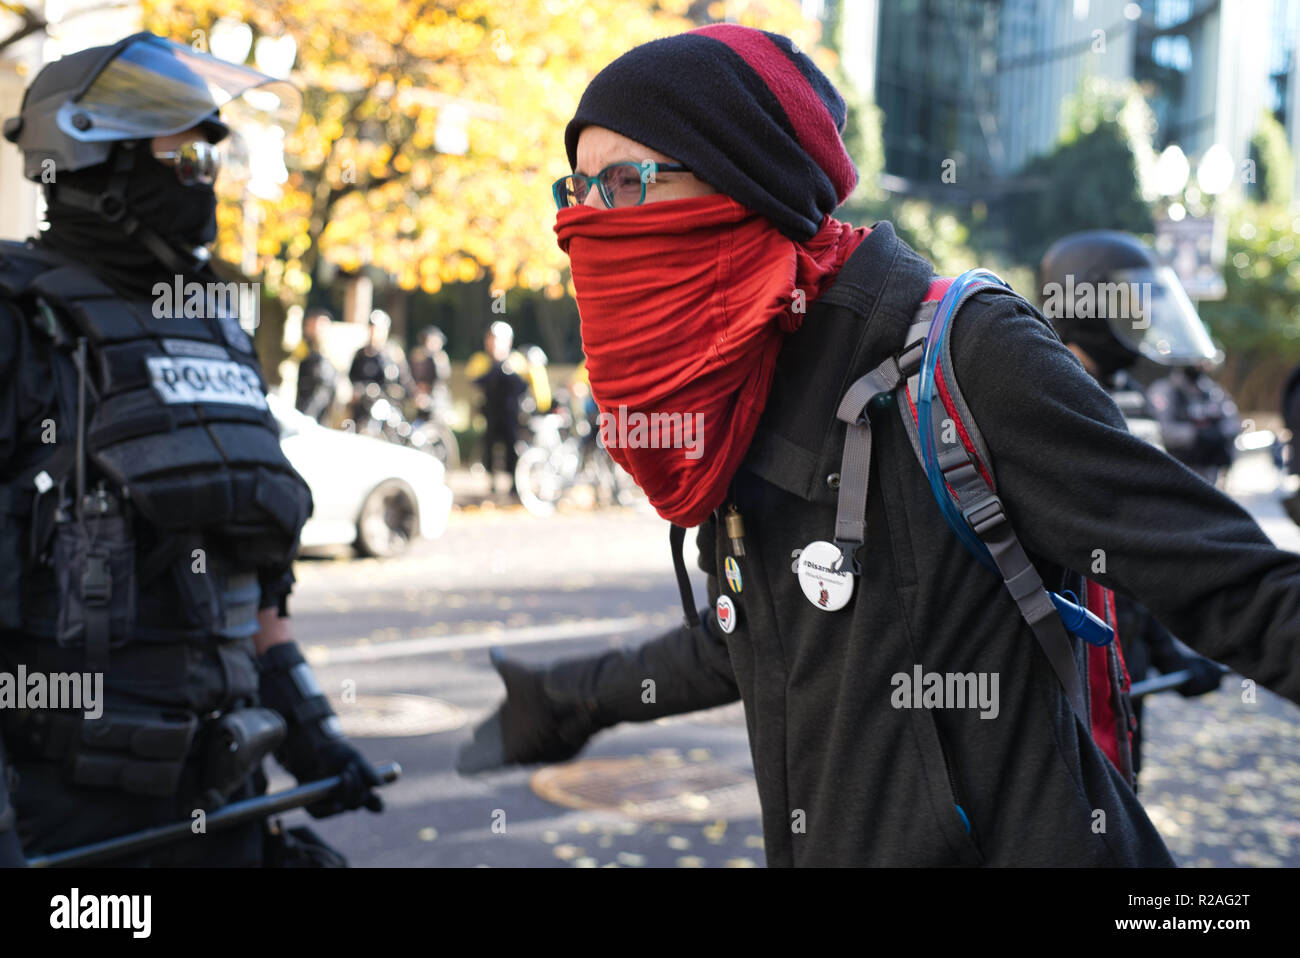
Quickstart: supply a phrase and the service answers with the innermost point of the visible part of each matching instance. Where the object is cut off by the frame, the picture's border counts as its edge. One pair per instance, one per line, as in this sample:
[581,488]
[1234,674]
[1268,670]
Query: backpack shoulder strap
[956,462]
[957,469]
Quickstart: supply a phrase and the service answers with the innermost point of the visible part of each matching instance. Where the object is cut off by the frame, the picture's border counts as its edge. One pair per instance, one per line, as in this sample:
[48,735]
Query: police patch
[185,379]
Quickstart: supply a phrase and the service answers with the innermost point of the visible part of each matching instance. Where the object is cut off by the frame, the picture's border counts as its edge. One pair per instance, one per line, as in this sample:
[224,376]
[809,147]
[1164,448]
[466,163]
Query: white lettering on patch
[179,379]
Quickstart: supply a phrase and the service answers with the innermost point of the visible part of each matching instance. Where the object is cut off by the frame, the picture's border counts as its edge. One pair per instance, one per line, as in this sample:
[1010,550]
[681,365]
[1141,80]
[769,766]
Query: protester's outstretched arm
[551,711]
[1084,493]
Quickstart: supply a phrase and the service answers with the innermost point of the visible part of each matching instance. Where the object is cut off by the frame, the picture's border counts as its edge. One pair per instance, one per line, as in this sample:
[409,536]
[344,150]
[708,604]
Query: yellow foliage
[367,183]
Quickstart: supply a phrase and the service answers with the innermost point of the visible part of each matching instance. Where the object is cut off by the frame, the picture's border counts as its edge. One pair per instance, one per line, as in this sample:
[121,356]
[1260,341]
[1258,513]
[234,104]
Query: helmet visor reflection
[154,87]
[1157,319]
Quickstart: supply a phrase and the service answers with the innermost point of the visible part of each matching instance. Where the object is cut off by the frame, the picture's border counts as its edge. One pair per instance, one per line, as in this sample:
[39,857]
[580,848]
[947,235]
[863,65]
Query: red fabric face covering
[684,306]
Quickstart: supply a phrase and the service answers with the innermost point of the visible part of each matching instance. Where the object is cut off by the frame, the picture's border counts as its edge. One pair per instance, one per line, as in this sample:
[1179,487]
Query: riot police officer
[1150,317]
[148,519]
[1199,420]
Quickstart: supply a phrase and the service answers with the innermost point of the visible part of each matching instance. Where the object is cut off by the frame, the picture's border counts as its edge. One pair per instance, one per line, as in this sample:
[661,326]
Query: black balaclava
[1094,337]
[183,216]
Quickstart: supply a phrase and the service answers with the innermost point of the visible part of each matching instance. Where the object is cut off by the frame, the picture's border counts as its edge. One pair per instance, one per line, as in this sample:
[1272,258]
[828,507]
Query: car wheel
[389,520]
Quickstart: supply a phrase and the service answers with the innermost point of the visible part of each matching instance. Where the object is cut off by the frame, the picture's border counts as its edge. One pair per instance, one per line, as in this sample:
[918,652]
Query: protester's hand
[529,726]
[1206,676]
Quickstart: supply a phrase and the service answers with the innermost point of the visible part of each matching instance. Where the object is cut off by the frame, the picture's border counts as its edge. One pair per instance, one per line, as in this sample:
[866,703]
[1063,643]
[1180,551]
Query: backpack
[921,383]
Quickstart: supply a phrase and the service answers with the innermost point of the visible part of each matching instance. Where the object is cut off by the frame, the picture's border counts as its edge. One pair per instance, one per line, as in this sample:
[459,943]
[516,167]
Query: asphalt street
[401,647]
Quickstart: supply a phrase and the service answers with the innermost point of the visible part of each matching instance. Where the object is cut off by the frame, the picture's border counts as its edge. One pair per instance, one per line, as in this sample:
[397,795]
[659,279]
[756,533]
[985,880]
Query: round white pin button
[726,613]
[825,586]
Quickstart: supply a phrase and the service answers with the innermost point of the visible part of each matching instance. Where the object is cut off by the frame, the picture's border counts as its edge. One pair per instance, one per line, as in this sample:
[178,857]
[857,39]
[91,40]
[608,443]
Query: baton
[236,813]
[1162,682]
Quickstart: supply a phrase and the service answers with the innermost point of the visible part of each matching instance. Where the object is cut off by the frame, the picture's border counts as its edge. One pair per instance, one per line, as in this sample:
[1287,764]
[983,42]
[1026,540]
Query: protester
[539,380]
[499,378]
[431,370]
[317,377]
[713,281]
[379,363]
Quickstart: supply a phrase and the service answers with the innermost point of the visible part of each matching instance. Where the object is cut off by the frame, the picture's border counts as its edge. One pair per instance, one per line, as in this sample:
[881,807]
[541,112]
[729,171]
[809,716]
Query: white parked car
[369,493]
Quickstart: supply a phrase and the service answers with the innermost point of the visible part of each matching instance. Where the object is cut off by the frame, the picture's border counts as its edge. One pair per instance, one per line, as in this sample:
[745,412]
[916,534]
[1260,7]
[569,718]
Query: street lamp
[1215,171]
[230,40]
[1172,171]
[451,134]
[274,56]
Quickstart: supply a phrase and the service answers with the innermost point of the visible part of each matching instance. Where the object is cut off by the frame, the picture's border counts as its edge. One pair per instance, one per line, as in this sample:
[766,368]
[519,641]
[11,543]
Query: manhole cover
[660,788]
[396,715]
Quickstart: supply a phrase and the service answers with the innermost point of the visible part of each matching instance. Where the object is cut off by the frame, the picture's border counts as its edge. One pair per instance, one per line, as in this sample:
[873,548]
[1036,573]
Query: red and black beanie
[744,109]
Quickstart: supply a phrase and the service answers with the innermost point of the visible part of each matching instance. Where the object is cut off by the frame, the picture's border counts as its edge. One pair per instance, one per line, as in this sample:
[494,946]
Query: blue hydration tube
[1078,620]
[934,342]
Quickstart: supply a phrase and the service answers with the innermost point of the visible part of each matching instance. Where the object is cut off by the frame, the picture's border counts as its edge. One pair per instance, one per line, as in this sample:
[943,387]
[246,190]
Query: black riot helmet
[86,121]
[1107,293]
[140,87]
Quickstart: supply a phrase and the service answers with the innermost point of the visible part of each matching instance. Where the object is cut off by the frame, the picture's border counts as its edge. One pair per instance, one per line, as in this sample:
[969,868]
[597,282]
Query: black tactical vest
[179,418]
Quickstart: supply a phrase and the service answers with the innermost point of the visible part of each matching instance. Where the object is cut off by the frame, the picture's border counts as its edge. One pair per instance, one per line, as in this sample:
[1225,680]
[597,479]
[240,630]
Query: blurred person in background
[431,370]
[499,373]
[539,381]
[317,377]
[1109,346]
[378,362]
[1198,419]
[1290,409]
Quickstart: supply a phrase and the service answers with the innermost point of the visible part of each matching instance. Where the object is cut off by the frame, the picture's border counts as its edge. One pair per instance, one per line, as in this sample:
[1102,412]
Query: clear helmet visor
[155,87]
[1156,319]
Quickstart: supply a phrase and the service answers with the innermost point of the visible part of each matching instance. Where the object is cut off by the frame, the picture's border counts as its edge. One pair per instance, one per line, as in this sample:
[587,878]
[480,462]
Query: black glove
[1206,676]
[537,722]
[551,711]
[314,747]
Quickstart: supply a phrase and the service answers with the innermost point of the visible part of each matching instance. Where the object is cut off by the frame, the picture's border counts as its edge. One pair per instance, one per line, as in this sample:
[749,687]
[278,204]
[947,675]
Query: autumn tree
[18,21]
[432,129]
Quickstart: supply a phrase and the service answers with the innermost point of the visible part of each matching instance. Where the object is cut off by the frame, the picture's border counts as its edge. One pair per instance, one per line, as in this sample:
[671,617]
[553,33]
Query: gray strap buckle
[849,553]
[985,515]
